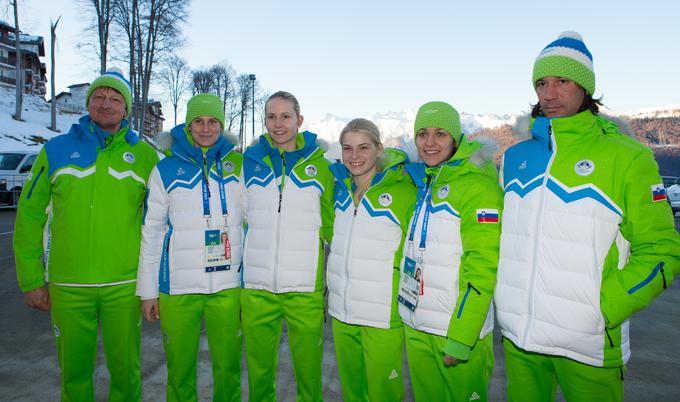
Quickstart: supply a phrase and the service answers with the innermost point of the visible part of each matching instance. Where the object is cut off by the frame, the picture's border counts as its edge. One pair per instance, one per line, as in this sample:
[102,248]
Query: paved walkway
[28,369]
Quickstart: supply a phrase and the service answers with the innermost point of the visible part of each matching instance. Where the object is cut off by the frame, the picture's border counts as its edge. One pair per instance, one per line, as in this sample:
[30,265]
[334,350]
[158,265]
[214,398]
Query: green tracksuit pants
[181,327]
[433,381]
[76,314]
[369,362]
[263,315]
[533,377]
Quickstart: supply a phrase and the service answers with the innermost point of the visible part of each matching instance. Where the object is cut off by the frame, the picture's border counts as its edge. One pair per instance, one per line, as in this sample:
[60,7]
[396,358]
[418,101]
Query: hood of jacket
[88,130]
[391,161]
[181,147]
[265,154]
[471,156]
[609,123]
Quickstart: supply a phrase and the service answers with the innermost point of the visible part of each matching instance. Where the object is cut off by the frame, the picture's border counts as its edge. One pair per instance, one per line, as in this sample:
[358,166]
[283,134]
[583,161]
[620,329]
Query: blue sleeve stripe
[37,177]
[462,304]
[648,279]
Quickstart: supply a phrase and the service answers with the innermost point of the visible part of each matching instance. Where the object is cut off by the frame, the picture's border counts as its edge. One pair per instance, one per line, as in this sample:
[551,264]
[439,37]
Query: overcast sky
[354,58]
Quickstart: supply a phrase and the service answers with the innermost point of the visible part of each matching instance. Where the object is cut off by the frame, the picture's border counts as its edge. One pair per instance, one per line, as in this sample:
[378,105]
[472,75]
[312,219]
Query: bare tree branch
[175,79]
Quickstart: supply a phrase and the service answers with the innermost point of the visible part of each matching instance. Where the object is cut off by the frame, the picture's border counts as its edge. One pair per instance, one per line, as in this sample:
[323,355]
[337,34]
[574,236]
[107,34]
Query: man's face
[559,97]
[107,108]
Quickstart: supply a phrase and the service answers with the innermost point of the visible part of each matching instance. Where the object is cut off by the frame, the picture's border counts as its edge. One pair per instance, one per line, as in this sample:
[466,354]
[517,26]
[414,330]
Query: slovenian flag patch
[658,193]
[487,216]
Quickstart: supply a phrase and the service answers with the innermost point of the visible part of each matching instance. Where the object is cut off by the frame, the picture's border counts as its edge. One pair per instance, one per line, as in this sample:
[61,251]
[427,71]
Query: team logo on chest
[228,166]
[584,167]
[385,199]
[443,191]
[129,157]
[180,172]
[522,165]
[310,170]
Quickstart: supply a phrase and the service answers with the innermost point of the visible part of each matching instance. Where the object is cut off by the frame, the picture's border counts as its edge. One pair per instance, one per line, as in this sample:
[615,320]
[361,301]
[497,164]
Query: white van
[15,166]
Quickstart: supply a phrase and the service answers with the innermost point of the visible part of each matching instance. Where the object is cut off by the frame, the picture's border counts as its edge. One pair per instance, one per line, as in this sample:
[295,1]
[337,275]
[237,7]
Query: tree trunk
[103,10]
[19,72]
[53,36]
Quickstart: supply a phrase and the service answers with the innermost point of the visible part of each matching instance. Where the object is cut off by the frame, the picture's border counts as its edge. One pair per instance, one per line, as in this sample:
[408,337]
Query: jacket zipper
[347,258]
[611,342]
[278,226]
[283,177]
[538,233]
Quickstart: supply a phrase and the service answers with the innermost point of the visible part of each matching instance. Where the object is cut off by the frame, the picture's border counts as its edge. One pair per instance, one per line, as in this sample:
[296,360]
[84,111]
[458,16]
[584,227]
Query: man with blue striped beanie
[587,239]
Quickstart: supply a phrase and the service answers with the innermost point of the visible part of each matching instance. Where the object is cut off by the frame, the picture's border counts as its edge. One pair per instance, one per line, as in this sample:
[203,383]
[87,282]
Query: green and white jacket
[363,266]
[455,233]
[79,215]
[289,215]
[588,239]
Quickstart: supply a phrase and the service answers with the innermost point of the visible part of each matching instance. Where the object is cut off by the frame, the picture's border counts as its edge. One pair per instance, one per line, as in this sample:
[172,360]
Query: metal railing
[8,80]
[10,189]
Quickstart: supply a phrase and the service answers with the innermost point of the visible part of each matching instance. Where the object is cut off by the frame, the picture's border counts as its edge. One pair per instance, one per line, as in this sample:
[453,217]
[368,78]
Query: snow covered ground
[17,135]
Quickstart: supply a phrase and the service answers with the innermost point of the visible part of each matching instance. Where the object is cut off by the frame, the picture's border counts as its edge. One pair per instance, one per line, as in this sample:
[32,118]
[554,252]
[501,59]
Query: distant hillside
[669,160]
[661,134]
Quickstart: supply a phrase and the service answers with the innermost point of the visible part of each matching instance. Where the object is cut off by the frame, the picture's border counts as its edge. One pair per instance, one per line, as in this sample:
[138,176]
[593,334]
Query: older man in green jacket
[78,230]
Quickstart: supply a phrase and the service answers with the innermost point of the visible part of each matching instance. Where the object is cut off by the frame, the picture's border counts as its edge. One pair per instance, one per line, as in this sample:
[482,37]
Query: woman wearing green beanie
[190,258]
[448,271]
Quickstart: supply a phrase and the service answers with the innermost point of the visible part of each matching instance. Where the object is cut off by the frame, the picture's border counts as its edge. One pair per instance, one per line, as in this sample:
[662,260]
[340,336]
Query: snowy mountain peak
[655,113]
[395,124]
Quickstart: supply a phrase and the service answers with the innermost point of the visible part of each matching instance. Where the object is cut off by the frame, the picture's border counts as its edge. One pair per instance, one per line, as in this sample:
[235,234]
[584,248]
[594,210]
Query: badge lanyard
[426,200]
[206,194]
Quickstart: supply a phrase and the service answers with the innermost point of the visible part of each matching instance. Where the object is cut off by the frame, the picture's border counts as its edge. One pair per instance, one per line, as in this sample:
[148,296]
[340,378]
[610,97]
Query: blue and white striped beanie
[113,78]
[566,57]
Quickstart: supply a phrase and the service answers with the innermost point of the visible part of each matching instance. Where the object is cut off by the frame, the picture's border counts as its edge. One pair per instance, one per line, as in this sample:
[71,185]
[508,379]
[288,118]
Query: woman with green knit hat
[452,242]
[373,203]
[190,258]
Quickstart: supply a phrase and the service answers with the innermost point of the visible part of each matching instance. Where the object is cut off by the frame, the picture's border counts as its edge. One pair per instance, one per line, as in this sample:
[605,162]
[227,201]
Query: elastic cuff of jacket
[32,286]
[456,349]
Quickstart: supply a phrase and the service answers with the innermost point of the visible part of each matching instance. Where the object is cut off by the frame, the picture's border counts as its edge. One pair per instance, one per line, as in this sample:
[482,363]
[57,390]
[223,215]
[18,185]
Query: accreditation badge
[217,250]
[410,286]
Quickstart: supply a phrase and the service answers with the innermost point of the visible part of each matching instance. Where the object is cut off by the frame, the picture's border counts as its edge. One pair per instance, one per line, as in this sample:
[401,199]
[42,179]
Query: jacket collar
[391,160]
[89,130]
[184,149]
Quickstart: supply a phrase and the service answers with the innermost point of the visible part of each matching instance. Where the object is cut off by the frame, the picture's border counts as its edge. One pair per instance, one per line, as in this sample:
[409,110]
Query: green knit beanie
[566,57]
[112,78]
[439,115]
[204,105]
